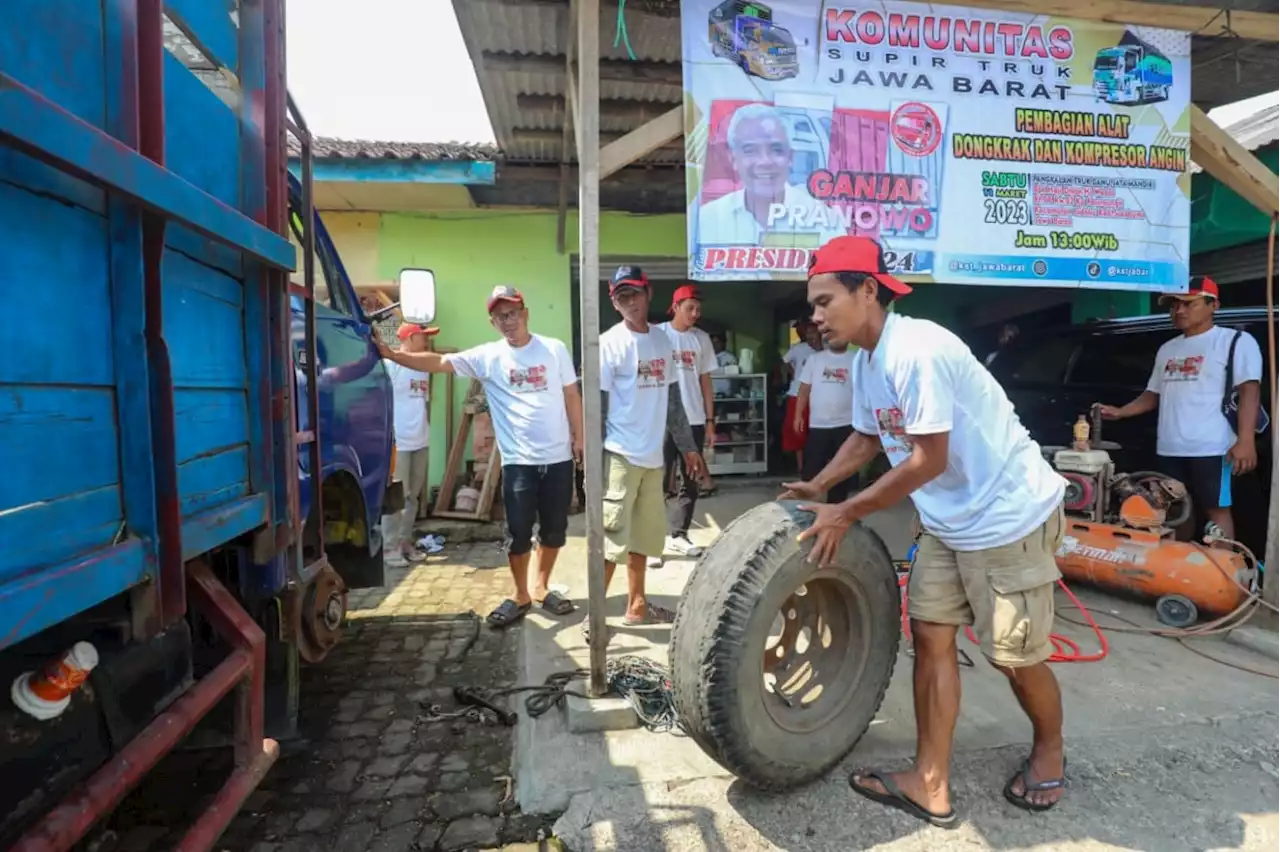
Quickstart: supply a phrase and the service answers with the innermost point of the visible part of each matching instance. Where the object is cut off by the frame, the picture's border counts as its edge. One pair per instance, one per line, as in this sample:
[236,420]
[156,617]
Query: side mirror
[418,295]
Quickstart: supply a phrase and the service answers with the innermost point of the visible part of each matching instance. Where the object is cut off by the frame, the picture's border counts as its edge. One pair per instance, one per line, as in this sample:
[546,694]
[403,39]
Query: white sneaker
[395,560]
[655,562]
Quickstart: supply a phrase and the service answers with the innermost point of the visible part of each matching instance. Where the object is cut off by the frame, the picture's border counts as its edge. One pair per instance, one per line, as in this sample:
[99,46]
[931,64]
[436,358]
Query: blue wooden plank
[44,598]
[209,421]
[53,265]
[57,49]
[466,172]
[55,441]
[27,172]
[54,531]
[201,135]
[207,530]
[40,126]
[209,26]
[203,325]
[200,248]
[209,481]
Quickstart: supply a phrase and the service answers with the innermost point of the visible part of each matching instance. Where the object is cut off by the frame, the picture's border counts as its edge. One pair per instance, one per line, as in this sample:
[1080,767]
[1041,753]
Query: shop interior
[755,321]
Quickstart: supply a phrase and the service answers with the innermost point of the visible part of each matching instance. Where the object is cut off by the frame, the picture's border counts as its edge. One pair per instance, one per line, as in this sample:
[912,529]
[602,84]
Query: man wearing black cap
[637,370]
[536,408]
[990,506]
[1197,443]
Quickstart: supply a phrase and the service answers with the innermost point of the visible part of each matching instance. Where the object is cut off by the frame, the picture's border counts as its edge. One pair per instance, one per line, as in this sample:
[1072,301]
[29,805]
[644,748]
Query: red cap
[409,329]
[856,254]
[687,291]
[504,293]
[1200,285]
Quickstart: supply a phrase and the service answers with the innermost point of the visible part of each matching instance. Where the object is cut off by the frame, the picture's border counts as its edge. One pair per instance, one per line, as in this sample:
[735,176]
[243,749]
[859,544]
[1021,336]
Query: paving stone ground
[368,771]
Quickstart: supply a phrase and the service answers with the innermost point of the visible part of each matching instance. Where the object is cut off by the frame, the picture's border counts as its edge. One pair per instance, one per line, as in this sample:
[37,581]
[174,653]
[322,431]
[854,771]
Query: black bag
[1231,396]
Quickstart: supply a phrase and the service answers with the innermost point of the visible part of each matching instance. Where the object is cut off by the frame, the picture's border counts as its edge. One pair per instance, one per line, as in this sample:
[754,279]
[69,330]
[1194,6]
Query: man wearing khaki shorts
[637,371]
[990,506]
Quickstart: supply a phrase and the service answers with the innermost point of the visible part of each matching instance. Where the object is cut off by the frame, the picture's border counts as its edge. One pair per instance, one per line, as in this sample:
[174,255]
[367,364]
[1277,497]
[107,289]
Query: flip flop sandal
[893,797]
[556,604]
[653,615]
[506,614]
[1023,801]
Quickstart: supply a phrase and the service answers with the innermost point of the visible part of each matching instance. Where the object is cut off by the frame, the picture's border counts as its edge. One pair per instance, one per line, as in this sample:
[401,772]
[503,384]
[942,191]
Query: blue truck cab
[183,353]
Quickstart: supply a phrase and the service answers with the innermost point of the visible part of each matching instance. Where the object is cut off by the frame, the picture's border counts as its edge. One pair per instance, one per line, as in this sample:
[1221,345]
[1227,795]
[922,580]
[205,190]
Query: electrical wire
[620,34]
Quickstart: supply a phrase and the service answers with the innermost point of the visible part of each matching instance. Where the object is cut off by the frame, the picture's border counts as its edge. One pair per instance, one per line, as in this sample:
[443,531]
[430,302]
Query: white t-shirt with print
[920,380]
[799,353]
[829,376]
[410,390]
[636,371]
[695,357]
[525,389]
[1190,374]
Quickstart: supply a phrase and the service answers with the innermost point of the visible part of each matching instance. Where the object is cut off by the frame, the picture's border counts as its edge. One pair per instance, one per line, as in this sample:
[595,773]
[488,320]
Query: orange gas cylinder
[1152,565]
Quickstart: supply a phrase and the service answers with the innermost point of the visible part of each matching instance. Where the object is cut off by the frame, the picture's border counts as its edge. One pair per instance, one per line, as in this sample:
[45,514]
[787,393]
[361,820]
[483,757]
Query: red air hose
[1065,650]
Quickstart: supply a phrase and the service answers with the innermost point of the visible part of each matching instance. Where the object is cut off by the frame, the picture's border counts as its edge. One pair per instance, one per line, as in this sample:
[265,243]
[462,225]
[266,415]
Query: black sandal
[1024,801]
[556,604]
[506,614]
[893,797]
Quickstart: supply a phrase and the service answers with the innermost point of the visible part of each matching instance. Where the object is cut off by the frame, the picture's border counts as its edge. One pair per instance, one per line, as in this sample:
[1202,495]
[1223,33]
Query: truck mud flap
[778,666]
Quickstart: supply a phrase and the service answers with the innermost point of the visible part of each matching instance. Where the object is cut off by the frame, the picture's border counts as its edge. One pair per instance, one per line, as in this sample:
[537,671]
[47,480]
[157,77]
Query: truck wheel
[778,666]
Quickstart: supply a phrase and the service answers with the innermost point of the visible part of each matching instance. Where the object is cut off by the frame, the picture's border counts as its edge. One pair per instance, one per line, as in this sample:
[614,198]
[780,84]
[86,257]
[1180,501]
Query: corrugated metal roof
[327,147]
[540,30]
[1254,131]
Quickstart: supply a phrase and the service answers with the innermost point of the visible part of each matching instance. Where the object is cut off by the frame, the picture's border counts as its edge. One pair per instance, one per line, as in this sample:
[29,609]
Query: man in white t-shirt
[1196,443]
[410,390]
[695,362]
[991,511]
[724,358]
[825,403]
[536,408]
[795,432]
[637,370]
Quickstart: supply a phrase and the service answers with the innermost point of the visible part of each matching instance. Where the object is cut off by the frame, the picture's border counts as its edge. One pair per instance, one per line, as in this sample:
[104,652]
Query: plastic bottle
[47,693]
[1080,434]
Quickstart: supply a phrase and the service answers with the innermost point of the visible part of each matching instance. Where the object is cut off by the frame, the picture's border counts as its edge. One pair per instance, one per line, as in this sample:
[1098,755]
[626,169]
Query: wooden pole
[1270,558]
[588,136]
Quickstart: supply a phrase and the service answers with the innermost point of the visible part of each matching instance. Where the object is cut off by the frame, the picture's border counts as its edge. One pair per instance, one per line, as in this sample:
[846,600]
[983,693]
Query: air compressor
[1120,536]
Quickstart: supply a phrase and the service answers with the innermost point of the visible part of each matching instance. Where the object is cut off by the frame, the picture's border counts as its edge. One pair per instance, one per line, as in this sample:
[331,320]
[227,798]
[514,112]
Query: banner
[978,146]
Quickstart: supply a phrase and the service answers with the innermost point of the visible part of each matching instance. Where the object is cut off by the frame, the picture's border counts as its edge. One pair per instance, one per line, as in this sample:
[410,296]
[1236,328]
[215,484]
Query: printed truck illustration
[745,33]
[1132,72]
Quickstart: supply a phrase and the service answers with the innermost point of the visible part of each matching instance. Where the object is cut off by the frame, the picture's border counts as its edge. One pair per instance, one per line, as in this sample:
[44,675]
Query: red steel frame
[244,668]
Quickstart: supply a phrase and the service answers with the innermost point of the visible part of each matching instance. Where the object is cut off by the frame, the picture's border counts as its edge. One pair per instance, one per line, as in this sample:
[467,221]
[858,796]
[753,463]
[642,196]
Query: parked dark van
[1055,376]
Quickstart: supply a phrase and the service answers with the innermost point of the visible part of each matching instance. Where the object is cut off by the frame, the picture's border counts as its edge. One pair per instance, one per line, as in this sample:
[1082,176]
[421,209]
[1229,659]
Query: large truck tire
[778,666]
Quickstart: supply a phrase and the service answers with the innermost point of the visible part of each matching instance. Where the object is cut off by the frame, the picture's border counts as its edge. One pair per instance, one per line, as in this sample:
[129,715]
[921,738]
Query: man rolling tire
[990,505]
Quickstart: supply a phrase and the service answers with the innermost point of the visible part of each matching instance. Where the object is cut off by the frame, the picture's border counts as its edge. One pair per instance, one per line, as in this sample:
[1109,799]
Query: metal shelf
[757,446]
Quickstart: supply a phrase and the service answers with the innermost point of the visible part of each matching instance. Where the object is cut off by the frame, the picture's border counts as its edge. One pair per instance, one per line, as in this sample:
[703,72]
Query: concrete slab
[589,715]
[1257,639]
[1145,684]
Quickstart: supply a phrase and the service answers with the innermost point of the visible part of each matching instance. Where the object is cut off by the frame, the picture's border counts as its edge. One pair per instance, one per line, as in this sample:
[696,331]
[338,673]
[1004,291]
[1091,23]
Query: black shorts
[820,447]
[1208,478]
[536,493]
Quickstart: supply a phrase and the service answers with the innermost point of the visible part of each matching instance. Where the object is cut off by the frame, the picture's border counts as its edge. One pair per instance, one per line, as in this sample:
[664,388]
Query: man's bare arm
[1146,401]
[927,462]
[427,362]
[573,407]
[856,451]
[708,397]
[1250,403]
[678,423]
